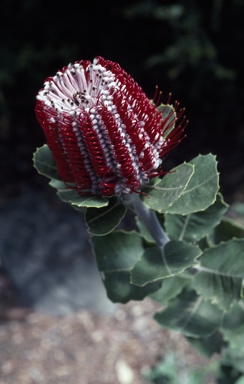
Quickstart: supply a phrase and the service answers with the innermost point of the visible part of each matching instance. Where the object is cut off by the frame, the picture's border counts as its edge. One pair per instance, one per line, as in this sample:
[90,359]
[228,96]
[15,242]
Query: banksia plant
[106,136]
[105,145]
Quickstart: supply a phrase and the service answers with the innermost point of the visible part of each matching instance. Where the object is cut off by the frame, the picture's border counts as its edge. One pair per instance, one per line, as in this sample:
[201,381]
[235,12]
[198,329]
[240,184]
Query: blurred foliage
[197,49]
[172,371]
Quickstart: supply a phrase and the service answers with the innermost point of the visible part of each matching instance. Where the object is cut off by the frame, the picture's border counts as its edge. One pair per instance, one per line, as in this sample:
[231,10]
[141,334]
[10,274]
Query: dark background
[191,48]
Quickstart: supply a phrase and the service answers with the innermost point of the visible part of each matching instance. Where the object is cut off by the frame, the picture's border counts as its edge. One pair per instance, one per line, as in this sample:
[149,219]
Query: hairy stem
[148,217]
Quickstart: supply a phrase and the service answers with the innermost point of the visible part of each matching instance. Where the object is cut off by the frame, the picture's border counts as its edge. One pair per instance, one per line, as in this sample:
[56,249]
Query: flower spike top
[106,136]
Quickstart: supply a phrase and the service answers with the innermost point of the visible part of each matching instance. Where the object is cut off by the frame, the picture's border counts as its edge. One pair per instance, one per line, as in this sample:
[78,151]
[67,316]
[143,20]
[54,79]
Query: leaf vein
[194,310]
[183,231]
[199,185]
[101,214]
[165,262]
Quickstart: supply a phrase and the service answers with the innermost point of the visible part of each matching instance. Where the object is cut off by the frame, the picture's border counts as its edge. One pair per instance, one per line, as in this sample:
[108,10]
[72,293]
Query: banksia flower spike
[106,136]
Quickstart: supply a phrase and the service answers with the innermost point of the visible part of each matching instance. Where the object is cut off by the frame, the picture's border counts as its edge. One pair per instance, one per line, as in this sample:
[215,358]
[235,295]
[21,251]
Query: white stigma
[79,88]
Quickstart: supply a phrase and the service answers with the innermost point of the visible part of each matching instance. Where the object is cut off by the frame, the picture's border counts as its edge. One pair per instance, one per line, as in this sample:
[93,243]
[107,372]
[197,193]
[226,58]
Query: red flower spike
[105,135]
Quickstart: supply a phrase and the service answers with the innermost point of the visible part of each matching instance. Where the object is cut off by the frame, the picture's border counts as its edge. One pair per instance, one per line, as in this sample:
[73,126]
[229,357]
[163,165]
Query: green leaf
[105,220]
[169,115]
[79,203]
[171,288]
[116,255]
[58,184]
[202,188]
[70,196]
[226,230]
[208,345]
[220,289]
[157,263]
[195,226]
[233,326]
[117,251]
[44,162]
[221,272]
[234,358]
[234,318]
[166,371]
[164,193]
[191,315]
[120,290]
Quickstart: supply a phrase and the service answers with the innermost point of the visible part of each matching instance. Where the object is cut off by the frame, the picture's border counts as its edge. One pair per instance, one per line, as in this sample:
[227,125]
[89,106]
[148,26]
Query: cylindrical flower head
[106,136]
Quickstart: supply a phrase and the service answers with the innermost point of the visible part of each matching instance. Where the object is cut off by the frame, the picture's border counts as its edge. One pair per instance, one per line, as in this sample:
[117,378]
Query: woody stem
[148,217]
